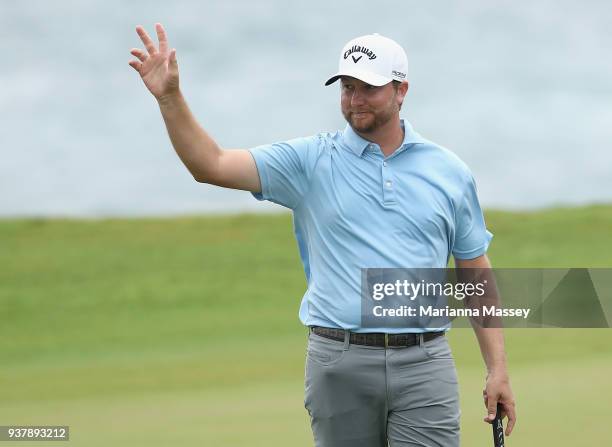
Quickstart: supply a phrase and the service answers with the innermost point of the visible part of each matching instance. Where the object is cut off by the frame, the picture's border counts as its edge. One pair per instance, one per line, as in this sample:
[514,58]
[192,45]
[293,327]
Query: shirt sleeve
[471,235]
[284,170]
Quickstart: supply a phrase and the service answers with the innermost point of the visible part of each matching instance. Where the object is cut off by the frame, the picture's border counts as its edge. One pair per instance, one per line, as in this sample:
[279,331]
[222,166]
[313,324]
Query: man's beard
[372,122]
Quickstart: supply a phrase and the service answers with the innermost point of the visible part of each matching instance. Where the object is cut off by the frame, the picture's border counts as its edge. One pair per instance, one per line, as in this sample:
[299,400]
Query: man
[376,194]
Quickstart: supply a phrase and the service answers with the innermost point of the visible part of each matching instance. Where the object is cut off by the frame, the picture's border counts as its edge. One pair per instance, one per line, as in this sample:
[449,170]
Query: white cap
[373,59]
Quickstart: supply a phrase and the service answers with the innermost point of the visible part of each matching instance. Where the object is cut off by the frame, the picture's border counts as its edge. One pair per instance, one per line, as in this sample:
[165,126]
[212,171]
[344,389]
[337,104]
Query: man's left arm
[491,340]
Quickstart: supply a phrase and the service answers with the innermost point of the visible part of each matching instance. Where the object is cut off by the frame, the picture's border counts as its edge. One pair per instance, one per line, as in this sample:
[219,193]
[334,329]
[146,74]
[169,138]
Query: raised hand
[157,66]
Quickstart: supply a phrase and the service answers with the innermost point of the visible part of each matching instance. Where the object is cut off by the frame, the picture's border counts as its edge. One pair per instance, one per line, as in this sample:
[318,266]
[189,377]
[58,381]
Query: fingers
[140,54]
[135,65]
[491,408]
[146,40]
[161,37]
[511,418]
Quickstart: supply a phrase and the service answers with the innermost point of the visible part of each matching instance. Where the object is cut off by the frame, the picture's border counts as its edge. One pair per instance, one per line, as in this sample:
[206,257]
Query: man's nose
[357,98]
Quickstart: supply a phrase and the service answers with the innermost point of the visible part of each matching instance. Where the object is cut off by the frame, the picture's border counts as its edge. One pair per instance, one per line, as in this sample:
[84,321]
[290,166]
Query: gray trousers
[365,396]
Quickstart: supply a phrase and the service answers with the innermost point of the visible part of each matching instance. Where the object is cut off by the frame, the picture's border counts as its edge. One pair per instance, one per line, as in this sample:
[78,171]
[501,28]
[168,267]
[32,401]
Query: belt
[380,339]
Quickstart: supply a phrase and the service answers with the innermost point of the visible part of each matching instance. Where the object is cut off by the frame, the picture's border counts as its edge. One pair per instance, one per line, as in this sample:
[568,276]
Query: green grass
[184,331]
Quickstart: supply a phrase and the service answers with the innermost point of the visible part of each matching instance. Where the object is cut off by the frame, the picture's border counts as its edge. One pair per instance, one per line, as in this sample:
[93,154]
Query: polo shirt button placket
[388,193]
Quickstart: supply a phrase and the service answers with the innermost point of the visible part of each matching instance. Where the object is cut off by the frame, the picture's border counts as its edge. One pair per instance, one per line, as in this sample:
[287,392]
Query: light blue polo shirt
[354,208]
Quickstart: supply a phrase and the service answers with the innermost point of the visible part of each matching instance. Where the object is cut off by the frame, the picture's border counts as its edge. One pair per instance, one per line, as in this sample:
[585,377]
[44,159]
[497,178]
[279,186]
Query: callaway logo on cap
[374,59]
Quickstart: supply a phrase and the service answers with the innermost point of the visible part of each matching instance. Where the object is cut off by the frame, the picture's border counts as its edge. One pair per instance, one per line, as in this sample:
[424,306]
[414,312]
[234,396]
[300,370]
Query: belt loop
[420,338]
[347,339]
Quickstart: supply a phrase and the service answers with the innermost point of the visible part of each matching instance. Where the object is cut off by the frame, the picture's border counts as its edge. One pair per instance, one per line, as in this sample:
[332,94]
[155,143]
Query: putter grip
[498,428]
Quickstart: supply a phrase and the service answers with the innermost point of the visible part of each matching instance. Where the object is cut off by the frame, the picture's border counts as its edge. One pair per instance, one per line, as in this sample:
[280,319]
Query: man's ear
[400,93]
[402,90]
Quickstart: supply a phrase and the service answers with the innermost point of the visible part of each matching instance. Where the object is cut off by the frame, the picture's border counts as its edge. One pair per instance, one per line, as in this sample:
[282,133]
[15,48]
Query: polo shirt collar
[359,144]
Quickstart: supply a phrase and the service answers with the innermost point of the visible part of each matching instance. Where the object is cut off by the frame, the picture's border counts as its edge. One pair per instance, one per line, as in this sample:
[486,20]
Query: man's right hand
[205,160]
[157,66]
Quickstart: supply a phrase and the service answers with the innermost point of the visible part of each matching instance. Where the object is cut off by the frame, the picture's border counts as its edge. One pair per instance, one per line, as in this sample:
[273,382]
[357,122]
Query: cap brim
[367,77]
